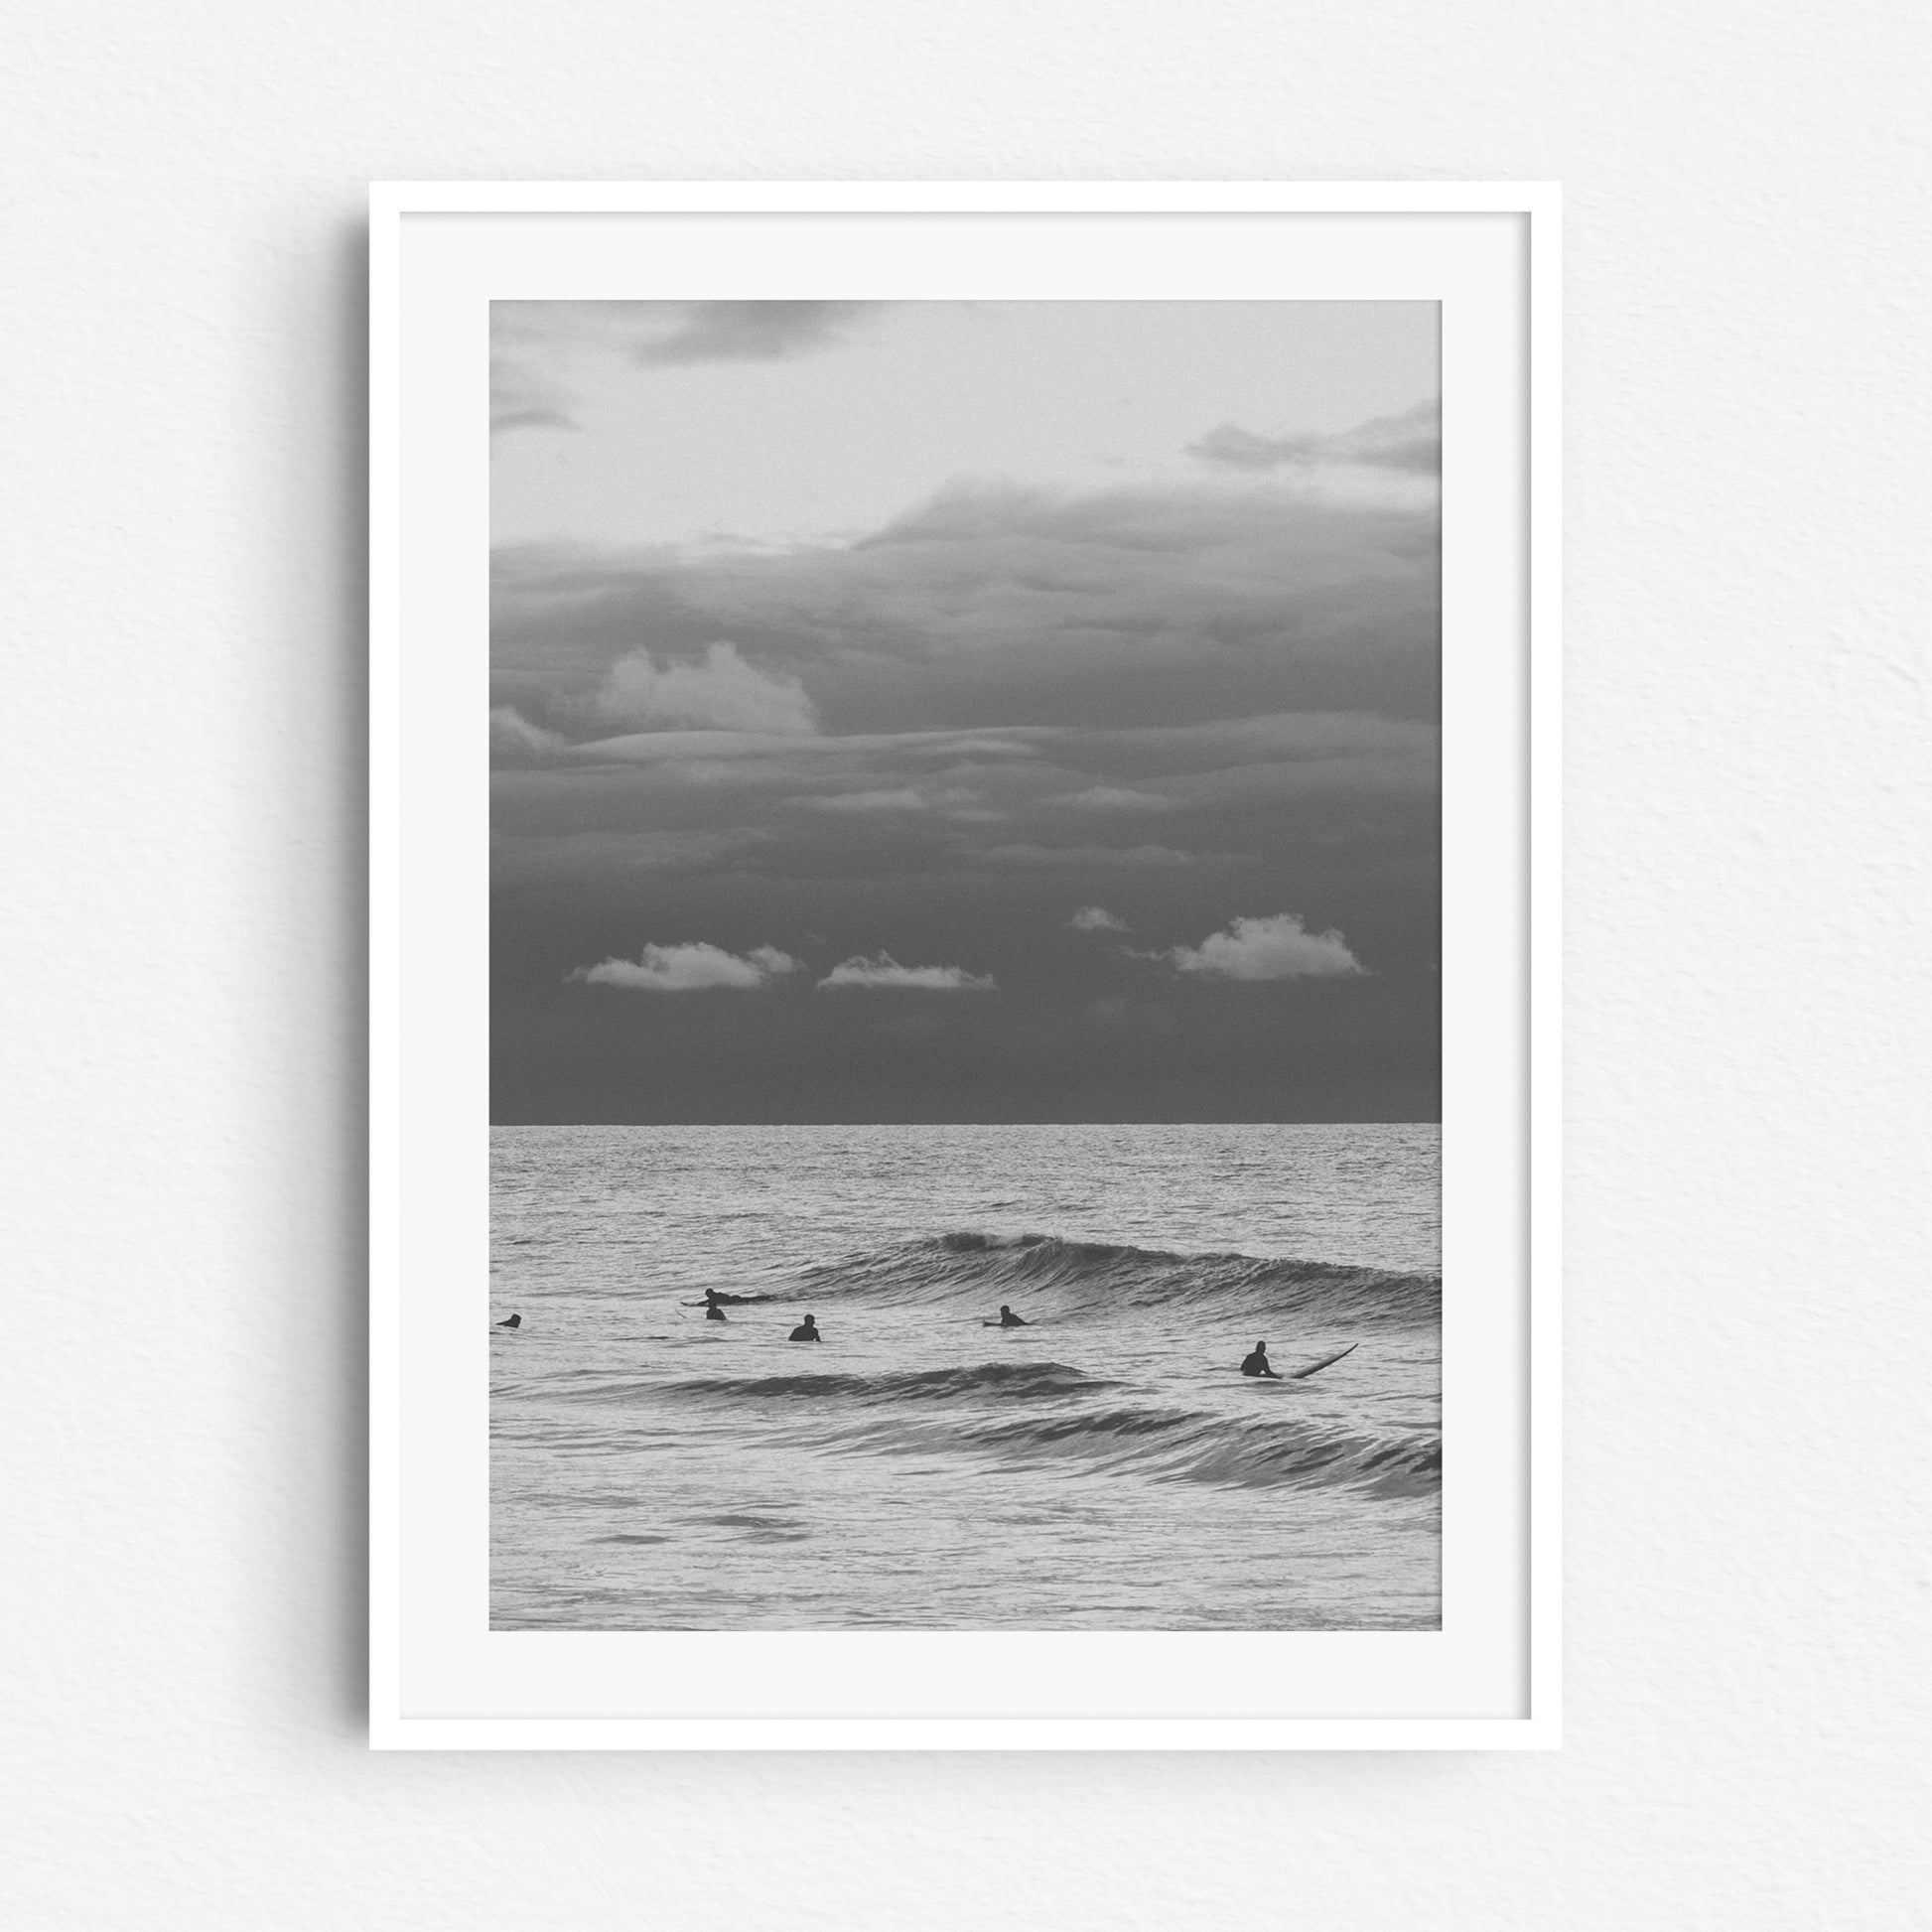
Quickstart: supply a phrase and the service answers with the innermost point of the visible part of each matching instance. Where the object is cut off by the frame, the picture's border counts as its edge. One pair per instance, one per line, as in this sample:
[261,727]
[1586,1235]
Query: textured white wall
[1747,832]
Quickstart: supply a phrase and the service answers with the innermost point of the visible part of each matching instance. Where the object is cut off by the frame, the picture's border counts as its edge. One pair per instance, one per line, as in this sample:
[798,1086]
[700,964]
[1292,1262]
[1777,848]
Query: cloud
[1094,918]
[513,740]
[865,801]
[887,971]
[1278,948]
[1411,441]
[531,347]
[1168,608]
[747,331]
[986,778]
[859,752]
[1263,660]
[1089,855]
[979,807]
[537,349]
[695,968]
[1115,799]
[723,693]
[613,856]
[520,399]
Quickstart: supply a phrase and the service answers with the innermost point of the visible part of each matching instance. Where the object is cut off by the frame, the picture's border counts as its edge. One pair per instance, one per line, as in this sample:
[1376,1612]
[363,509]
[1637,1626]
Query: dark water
[1102,1468]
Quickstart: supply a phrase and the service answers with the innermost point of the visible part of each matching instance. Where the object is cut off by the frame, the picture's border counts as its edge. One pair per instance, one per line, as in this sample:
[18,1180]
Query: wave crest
[1094,1275]
[1179,1445]
[1038,1413]
[1010,1381]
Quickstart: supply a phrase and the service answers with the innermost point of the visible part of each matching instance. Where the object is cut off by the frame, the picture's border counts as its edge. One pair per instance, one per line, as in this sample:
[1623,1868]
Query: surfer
[516,1321]
[713,1308]
[1257,1363]
[808,1331]
[1008,1320]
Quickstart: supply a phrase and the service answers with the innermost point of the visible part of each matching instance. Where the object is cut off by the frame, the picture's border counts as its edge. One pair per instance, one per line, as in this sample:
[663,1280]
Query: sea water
[1106,1468]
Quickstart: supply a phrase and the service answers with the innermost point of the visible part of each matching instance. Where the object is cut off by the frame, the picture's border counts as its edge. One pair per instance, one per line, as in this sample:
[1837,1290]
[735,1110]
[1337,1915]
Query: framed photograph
[964,953]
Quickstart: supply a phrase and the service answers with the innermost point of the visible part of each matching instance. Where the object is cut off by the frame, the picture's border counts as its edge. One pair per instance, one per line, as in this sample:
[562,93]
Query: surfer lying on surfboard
[1008,1320]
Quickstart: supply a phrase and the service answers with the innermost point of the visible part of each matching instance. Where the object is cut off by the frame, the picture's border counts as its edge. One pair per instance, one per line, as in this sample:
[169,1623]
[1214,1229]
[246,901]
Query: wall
[1748,839]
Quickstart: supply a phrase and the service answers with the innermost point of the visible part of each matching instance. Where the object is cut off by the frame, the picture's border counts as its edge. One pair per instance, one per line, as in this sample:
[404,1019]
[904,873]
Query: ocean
[1106,1468]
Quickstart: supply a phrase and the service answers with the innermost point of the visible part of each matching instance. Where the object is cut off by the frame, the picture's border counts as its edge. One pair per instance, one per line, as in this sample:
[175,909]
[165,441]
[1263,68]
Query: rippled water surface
[1105,1467]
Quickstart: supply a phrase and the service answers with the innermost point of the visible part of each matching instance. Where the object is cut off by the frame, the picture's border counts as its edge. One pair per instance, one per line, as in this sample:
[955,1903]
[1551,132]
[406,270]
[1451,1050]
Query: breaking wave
[1083,1276]
[1182,1445]
[1034,1413]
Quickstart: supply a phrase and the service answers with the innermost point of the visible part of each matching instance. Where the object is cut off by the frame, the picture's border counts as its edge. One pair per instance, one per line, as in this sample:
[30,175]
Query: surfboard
[1328,1361]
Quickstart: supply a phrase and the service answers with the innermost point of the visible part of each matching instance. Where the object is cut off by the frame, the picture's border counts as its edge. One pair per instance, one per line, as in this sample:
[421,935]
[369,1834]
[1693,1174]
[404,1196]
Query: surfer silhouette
[713,1310]
[516,1321]
[1008,1320]
[808,1331]
[1257,1363]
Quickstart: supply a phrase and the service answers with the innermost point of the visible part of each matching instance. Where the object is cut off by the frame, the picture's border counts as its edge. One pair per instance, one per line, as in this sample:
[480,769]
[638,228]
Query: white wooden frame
[440,1679]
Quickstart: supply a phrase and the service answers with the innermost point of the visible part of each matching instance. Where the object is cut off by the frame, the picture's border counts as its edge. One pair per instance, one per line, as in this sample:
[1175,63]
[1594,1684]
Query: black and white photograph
[1065,699]
[965,966]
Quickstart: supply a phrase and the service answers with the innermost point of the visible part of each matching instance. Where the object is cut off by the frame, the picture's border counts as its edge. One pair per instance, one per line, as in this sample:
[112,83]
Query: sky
[965,712]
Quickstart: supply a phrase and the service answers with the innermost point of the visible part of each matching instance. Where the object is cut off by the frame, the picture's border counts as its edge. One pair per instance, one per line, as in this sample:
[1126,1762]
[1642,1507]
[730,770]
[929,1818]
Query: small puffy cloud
[1095,918]
[695,968]
[1279,948]
[886,971]
[1411,441]
[723,693]
[513,740]
[1116,798]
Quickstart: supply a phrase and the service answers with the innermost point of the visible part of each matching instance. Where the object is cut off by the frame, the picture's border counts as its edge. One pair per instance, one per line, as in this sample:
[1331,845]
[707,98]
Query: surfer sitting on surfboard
[808,1331]
[1257,1363]
[1008,1320]
[713,1312]
[516,1321]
